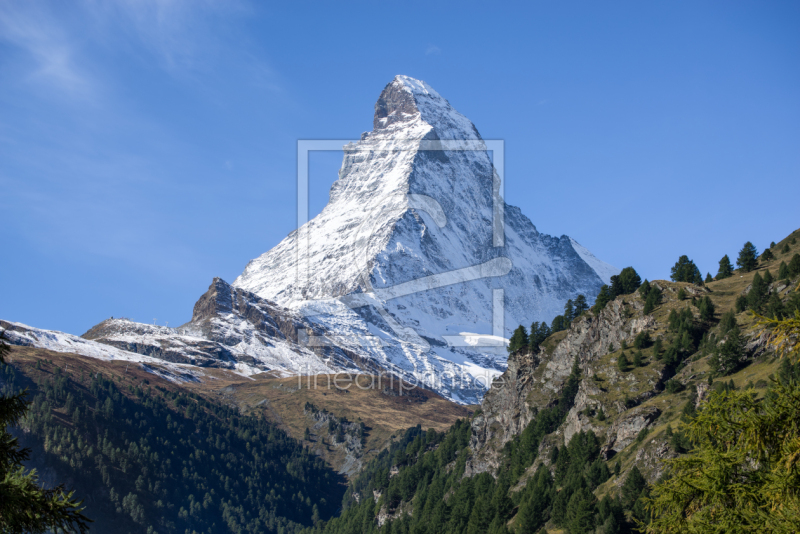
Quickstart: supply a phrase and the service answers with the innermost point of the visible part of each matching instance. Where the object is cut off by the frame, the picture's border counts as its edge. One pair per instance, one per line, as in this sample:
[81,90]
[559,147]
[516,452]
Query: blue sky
[148,146]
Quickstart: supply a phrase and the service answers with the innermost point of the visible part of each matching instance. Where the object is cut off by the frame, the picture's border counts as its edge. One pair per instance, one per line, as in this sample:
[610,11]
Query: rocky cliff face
[235,329]
[533,381]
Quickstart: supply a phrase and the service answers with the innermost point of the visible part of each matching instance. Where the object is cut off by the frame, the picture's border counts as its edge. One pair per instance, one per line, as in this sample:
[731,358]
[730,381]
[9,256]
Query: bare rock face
[576,419]
[627,427]
[534,381]
[234,329]
[505,411]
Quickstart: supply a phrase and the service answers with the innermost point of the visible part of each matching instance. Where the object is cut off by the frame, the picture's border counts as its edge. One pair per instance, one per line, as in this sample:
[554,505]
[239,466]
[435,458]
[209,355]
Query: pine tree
[25,506]
[519,340]
[728,356]
[708,278]
[783,271]
[569,312]
[767,256]
[638,358]
[794,265]
[785,249]
[768,279]
[727,322]
[681,294]
[706,308]
[758,293]
[558,324]
[685,270]
[581,305]
[603,298]
[622,363]
[652,300]
[580,511]
[626,282]
[725,268]
[748,258]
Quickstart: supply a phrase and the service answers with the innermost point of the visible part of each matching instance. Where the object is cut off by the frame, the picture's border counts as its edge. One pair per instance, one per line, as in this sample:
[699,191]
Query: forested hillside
[584,448]
[150,459]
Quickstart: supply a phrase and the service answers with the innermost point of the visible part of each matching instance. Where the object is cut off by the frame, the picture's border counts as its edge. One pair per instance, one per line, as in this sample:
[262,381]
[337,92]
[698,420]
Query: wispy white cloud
[30,27]
[433,51]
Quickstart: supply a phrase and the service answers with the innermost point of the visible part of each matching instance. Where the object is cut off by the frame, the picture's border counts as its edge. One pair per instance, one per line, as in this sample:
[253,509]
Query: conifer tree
[783,271]
[767,256]
[558,324]
[794,265]
[708,278]
[25,506]
[603,298]
[729,353]
[725,268]
[785,248]
[652,300]
[581,305]
[569,312]
[638,358]
[622,362]
[685,270]
[626,282]
[706,308]
[758,293]
[519,340]
[748,258]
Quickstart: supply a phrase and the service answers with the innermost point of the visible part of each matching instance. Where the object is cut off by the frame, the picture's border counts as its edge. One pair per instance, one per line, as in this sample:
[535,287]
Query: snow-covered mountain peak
[402,265]
[406,102]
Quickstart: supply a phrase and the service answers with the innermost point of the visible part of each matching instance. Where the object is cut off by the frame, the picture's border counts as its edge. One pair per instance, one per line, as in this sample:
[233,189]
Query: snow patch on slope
[603,270]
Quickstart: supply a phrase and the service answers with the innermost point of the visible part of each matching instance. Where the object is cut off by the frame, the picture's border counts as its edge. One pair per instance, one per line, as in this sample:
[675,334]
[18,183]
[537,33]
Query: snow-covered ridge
[28,336]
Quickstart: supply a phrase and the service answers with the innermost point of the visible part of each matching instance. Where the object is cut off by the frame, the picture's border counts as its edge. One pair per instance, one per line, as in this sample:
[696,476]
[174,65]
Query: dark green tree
[725,268]
[569,312]
[558,324]
[626,282]
[25,506]
[685,270]
[519,340]
[785,248]
[748,258]
[580,512]
[622,362]
[652,300]
[729,353]
[767,255]
[727,322]
[783,271]
[581,305]
[539,332]
[638,358]
[603,298]
[706,308]
[708,278]
[794,265]
[758,293]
